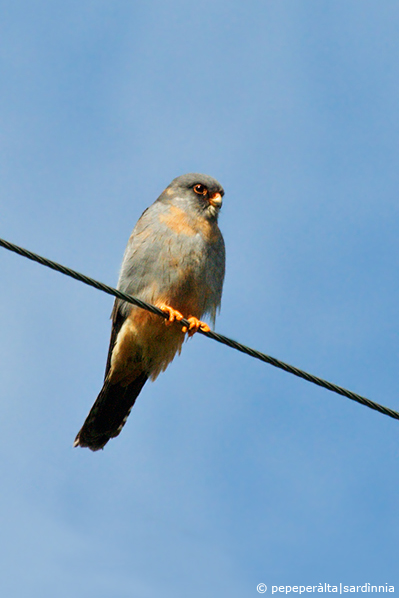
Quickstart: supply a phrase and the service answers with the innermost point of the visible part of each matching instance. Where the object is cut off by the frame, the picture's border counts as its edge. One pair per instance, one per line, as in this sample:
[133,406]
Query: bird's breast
[180,223]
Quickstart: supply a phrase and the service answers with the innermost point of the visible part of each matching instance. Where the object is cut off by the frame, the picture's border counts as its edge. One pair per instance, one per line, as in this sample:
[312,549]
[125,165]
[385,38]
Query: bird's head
[198,192]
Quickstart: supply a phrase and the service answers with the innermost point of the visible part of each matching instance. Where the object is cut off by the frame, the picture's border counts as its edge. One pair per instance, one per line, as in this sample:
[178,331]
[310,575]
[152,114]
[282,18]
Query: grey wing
[131,279]
[215,271]
[141,254]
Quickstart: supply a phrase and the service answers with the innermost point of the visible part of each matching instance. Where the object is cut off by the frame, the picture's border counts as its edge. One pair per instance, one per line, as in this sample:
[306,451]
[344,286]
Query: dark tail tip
[109,413]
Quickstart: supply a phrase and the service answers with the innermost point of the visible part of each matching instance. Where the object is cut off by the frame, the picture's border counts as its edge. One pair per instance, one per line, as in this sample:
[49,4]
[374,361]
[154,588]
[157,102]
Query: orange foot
[195,325]
[173,314]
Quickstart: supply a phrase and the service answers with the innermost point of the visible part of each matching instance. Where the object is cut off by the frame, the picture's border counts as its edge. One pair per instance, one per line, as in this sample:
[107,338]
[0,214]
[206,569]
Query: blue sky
[229,472]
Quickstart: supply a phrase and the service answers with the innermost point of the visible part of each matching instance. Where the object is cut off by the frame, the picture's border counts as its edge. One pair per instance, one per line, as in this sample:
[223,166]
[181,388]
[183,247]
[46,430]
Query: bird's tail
[109,413]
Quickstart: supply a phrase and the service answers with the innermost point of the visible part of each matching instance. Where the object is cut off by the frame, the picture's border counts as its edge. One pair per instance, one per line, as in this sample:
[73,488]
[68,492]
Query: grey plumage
[174,257]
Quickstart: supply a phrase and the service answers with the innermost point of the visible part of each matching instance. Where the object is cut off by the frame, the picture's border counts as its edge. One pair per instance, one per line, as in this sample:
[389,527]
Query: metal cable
[213,335]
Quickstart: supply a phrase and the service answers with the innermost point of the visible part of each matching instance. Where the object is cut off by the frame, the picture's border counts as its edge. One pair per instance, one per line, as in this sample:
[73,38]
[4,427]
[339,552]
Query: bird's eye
[200,189]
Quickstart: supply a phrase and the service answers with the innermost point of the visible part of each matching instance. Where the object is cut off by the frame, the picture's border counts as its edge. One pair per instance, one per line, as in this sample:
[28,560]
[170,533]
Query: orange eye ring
[200,189]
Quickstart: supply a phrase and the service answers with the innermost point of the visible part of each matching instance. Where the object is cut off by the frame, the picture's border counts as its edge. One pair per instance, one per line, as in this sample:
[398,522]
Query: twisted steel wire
[213,335]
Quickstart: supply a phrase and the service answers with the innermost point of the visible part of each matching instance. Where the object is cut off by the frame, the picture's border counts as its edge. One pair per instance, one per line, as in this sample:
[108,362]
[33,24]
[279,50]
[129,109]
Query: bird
[175,260]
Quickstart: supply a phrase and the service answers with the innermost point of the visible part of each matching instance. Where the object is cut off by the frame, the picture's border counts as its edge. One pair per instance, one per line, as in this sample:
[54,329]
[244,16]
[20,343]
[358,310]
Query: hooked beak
[215,200]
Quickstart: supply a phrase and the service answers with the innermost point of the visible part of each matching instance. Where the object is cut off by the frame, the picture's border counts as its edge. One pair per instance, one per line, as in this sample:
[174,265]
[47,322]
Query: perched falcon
[175,259]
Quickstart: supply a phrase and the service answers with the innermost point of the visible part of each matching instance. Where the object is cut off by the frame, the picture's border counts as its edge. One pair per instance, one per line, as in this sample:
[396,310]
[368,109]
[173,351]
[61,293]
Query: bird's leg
[195,325]
[173,314]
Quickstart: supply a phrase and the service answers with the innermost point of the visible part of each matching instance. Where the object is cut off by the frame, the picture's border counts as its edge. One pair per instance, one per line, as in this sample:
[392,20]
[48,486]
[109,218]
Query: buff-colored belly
[144,344]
